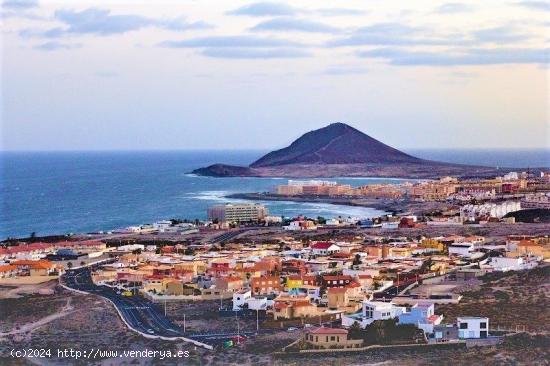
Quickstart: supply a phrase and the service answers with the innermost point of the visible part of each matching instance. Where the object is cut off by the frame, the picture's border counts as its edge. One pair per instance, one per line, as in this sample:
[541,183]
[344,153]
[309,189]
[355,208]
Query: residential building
[229,283]
[243,212]
[336,280]
[324,248]
[323,338]
[472,327]
[265,285]
[422,315]
[372,311]
[337,297]
[505,264]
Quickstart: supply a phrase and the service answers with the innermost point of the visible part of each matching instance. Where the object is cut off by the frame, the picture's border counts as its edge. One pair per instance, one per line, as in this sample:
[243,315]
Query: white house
[324,248]
[240,298]
[243,299]
[505,264]
[422,315]
[257,303]
[390,225]
[372,311]
[461,249]
[472,327]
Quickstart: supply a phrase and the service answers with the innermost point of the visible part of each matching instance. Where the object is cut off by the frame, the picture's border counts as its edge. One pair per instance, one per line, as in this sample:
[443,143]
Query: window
[483,325]
[368,312]
[483,334]
[332,338]
[463,325]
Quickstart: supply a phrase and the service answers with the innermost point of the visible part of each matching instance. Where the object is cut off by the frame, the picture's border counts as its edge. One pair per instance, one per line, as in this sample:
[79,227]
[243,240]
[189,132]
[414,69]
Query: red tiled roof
[7,268]
[231,279]
[321,245]
[433,318]
[337,278]
[40,264]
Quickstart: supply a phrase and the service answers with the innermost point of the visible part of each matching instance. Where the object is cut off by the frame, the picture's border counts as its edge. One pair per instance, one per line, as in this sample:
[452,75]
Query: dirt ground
[16,291]
[511,299]
[92,323]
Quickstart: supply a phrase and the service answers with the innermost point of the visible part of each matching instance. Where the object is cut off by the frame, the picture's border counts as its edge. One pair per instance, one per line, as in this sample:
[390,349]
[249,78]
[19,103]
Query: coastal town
[347,284]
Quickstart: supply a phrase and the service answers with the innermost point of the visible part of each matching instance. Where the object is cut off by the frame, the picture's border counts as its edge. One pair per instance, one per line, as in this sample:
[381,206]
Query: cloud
[102,22]
[255,53]
[54,46]
[19,4]
[265,9]
[535,5]
[395,34]
[333,12]
[241,41]
[502,34]
[293,24]
[498,56]
[344,70]
[19,9]
[242,47]
[453,8]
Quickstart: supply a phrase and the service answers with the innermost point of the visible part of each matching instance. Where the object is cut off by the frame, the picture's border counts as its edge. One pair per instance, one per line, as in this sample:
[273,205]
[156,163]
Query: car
[291,329]
[308,325]
[150,331]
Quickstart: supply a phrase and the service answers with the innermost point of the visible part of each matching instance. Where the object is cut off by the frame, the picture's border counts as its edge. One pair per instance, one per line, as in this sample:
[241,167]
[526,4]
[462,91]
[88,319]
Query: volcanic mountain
[336,143]
[341,150]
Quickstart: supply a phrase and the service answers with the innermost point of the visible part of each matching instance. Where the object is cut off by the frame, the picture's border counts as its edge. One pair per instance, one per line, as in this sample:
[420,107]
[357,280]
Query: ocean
[73,192]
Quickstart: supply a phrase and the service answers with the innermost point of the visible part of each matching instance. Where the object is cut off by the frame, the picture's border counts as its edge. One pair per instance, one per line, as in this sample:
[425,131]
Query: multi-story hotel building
[243,212]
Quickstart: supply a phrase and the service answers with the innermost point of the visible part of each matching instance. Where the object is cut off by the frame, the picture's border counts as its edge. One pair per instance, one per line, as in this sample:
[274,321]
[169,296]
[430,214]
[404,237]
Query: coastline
[382,204]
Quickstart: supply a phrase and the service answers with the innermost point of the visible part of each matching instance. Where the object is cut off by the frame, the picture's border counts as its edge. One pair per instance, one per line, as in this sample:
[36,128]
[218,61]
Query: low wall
[169,298]
[391,347]
[27,280]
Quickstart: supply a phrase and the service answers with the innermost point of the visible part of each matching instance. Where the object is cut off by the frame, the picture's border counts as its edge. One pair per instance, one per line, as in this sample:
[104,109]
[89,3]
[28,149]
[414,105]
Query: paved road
[222,238]
[139,313]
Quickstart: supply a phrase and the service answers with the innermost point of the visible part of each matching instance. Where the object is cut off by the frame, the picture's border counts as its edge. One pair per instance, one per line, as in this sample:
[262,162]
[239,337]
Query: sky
[231,74]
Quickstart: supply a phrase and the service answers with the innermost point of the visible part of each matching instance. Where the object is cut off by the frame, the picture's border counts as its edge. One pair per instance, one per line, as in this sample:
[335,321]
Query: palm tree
[70,265]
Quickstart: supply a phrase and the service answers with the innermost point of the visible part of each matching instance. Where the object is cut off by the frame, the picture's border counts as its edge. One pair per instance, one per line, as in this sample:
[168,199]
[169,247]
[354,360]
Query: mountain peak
[337,143]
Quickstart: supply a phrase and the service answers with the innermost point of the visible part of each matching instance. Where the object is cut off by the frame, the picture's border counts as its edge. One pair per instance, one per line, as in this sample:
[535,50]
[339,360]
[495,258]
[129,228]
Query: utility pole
[183,323]
[165,310]
[257,321]
[397,282]
[238,328]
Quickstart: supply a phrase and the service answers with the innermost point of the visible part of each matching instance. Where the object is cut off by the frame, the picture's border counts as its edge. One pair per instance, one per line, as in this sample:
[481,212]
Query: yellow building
[293,282]
[337,297]
[532,248]
[323,338]
[432,244]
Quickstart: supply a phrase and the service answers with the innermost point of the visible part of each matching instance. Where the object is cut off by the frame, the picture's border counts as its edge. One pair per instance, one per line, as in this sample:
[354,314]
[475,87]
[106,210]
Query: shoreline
[382,204]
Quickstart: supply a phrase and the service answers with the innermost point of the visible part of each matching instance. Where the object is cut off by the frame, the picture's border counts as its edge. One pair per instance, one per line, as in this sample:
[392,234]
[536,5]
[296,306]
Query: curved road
[140,314]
